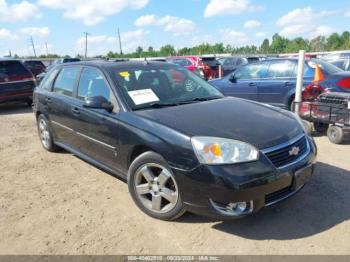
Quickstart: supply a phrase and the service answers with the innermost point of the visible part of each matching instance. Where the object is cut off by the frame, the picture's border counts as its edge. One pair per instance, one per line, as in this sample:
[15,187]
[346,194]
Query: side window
[65,80]
[281,69]
[252,71]
[228,62]
[239,61]
[92,84]
[48,80]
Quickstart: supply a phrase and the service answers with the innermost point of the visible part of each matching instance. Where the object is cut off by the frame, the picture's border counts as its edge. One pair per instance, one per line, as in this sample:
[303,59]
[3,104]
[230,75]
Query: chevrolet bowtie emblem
[294,151]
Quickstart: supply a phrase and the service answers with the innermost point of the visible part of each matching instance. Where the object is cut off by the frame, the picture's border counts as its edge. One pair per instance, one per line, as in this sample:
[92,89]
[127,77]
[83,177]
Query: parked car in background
[35,66]
[181,145]
[273,81]
[66,60]
[230,63]
[214,66]
[16,82]
[336,56]
[342,63]
[193,64]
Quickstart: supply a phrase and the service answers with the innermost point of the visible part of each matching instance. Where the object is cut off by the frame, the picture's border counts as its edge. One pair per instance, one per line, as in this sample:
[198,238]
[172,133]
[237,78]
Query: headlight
[214,150]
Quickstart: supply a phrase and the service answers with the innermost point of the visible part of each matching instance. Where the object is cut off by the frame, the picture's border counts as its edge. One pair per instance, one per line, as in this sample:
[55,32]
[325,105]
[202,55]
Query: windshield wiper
[157,105]
[200,99]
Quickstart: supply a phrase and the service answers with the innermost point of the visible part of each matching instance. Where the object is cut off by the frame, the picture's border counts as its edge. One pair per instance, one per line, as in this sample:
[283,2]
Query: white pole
[220,71]
[300,76]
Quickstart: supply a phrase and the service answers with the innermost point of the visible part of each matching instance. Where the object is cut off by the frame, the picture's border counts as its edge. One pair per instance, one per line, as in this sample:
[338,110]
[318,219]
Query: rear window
[326,67]
[70,60]
[180,61]
[212,62]
[13,71]
[34,64]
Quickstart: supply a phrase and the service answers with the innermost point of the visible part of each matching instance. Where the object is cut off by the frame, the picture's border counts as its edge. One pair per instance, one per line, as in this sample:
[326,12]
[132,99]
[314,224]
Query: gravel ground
[55,203]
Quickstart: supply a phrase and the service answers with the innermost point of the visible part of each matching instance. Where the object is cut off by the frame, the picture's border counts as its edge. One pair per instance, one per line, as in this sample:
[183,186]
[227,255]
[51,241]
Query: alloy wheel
[44,133]
[155,186]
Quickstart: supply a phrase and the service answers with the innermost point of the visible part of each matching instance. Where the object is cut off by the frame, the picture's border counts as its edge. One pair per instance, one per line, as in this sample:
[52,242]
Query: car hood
[258,124]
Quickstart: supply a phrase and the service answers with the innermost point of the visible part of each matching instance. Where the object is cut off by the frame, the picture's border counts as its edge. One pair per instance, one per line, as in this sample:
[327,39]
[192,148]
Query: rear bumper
[27,96]
[257,182]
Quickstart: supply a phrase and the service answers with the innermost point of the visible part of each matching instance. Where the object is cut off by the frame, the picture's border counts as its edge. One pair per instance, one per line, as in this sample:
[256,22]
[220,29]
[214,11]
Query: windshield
[145,87]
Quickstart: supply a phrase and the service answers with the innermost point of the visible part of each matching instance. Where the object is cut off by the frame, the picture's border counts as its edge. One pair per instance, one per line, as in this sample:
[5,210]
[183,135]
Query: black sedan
[178,142]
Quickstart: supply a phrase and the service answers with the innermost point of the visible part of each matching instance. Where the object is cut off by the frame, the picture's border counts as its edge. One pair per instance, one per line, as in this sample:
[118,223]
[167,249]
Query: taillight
[312,91]
[344,83]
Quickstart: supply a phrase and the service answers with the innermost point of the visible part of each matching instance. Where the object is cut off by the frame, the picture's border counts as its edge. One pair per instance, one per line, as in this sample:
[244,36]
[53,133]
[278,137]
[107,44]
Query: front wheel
[153,187]
[335,134]
[45,134]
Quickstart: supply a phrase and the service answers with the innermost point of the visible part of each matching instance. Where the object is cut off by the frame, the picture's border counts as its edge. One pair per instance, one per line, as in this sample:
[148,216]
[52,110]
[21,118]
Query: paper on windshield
[143,96]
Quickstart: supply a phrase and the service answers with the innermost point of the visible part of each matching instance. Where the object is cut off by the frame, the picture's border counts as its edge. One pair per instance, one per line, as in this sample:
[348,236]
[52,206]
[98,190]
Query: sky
[60,24]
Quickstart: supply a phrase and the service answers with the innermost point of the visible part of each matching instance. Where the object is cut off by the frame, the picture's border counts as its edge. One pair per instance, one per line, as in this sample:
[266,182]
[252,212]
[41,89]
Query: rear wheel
[45,134]
[335,134]
[153,187]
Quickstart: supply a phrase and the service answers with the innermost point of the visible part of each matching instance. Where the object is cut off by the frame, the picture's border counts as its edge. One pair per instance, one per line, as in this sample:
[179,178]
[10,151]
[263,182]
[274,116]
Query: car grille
[282,156]
[278,195]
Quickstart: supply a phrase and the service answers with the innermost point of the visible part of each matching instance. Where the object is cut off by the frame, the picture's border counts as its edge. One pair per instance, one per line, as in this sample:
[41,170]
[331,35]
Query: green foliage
[278,45]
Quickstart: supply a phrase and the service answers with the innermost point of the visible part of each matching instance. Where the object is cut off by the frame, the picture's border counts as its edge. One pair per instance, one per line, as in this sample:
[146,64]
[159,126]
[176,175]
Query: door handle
[287,83]
[75,110]
[252,84]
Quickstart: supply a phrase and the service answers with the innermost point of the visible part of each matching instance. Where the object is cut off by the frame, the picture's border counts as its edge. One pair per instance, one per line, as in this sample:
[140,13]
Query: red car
[196,65]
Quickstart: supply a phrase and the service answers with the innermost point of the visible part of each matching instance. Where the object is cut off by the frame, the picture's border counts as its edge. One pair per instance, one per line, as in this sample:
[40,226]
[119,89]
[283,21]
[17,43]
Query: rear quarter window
[49,78]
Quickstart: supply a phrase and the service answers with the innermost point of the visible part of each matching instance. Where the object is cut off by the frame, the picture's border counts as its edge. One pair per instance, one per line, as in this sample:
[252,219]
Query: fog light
[233,209]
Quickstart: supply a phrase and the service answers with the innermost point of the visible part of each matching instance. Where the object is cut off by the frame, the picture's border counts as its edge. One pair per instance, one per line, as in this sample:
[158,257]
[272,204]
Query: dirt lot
[54,203]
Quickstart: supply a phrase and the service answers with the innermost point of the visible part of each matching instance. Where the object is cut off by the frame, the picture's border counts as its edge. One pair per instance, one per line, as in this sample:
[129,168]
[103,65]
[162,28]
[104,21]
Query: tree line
[278,45]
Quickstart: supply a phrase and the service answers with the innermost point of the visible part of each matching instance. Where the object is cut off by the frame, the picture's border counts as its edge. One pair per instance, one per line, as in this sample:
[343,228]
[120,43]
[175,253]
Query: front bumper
[259,183]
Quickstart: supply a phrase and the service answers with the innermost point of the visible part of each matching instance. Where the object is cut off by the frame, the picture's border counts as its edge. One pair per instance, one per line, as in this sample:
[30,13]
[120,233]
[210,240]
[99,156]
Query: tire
[335,134]
[291,104]
[321,127]
[158,194]
[45,135]
[307,126]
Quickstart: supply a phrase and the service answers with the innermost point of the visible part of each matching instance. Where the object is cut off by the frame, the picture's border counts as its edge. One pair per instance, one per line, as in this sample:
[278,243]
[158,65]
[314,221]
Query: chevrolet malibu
[179,143]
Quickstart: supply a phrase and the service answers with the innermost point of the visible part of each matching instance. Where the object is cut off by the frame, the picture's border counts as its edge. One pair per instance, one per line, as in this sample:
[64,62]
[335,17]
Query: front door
[98,127]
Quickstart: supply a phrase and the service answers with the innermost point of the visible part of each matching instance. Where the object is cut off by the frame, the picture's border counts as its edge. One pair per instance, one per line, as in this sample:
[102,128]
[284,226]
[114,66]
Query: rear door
[278,82]
[62,104]
[244,81]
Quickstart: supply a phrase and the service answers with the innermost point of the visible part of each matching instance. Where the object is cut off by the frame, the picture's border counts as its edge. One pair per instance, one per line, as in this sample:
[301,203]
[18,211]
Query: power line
[86,36]
[120,43]
[32,42]
[47,50]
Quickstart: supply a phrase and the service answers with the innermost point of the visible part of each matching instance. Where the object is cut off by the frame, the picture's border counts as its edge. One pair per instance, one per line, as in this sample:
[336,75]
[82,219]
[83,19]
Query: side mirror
[232,78]
[98,102]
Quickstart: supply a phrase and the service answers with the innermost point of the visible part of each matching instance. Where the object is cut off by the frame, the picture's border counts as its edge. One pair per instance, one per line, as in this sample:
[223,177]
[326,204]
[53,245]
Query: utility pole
[86,36]
[10,53]
[47,50]
[32,42]
[120,43]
